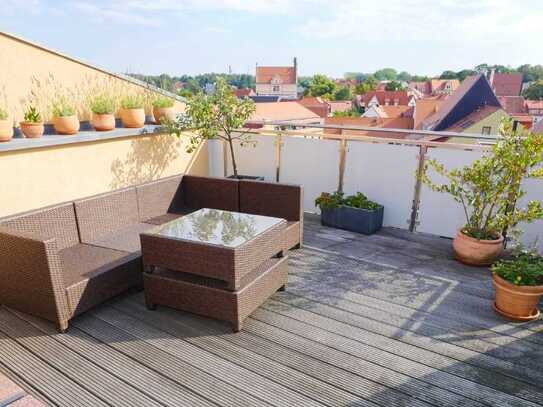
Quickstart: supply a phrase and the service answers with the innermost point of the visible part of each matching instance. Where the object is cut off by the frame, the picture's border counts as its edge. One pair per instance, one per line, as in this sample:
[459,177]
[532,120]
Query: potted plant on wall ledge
[354,212]
[32,126]
[519,286]
[65,118]
[490,191]
[6,126]
[218,116]
[132,111]
[103,108]
[163,108]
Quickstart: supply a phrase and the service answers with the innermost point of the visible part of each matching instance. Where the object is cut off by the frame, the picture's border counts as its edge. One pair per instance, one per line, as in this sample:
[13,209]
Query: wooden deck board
[370,321]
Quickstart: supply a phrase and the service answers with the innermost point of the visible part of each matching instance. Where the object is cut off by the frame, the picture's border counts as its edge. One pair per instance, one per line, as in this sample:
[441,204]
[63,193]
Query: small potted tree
[132,111]
[65,118]
[354,212]
[163,108]
[519,286]
[103,107]
[32,126]
[220,115]
[489,191]
[6,126]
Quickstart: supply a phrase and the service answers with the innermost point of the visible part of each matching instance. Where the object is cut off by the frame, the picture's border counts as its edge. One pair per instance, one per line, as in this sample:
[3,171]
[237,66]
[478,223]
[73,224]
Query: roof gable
[285,75]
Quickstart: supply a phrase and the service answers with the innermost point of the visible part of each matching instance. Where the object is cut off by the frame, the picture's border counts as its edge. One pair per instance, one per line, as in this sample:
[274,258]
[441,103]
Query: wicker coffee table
[215,263]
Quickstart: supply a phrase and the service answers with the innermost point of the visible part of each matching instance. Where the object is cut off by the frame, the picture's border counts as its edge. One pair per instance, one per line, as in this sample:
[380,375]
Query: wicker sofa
[59,261]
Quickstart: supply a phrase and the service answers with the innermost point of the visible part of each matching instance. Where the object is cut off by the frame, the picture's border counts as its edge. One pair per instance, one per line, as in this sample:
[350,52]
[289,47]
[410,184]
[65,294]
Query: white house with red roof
[279,81]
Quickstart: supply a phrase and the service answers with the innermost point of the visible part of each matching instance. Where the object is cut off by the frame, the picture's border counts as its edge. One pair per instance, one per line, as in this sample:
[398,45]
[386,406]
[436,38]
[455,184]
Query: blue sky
[330,37]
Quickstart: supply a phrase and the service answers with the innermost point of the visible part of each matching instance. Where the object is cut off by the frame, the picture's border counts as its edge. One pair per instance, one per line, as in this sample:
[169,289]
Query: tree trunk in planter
[358,220]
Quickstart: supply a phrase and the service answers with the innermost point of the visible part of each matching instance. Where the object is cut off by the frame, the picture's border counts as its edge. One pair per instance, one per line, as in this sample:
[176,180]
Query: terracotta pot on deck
[6,130]
[66,125]
[32,130]
[103,122]
[133,118]
[475,252]
[166,112]
[518,303]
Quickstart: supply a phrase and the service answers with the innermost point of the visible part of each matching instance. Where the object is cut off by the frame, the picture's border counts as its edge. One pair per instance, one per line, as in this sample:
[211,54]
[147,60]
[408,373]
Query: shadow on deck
[383,320]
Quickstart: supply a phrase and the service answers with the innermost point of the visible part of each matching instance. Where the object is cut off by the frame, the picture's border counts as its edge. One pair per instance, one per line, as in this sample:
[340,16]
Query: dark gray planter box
[354,219]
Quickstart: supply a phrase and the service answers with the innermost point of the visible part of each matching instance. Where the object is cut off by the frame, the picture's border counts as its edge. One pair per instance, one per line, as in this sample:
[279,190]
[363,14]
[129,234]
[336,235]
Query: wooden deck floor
[388,320]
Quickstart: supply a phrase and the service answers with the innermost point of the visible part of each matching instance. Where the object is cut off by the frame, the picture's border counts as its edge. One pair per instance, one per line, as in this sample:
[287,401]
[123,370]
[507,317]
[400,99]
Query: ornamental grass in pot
[163,109]
[103,108]
[490,192]
[32,126]
[6,126]
[65,118]
[132,111]
[354,212]
[519,286]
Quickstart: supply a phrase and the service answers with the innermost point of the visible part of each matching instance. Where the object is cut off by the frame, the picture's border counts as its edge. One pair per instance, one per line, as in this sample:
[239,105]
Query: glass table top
[217,227]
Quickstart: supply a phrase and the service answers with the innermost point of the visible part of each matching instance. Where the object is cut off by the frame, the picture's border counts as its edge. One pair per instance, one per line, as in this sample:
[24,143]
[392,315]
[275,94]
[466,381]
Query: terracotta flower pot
[518,303]
[66,125]
[133,118]
[103,122]
[32,130]
[475,252]
[6,130]
[166,112]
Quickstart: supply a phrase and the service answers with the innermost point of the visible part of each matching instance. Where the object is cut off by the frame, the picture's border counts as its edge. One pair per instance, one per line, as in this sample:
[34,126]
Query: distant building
[506,84]
[385,98]
[535,109]
[317,105]
[340,106]
[435,87]
[538,127]
[283,112]
[244,92]
[513,104]
[389,112]
[485,120]
[279,81]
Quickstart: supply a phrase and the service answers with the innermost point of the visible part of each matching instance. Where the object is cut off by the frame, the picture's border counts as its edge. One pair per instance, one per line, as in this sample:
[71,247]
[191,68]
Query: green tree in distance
[343,93]
[386,74]
[393,86]
[534,91]
[369,84]
[323,86]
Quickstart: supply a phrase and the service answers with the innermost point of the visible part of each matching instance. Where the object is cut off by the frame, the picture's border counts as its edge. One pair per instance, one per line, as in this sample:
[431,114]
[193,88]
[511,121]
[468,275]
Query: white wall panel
[312,163]
[258,160]
[533,232]
[385,173]
[439,214]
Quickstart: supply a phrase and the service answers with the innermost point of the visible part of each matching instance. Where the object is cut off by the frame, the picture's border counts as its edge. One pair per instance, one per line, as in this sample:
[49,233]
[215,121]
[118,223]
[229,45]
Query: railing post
[414,220]
[342,158]
[278,148]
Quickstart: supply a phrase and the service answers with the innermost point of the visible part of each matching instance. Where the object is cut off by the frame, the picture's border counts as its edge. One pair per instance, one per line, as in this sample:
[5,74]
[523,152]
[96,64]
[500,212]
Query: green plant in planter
[524,269]
[103,103]
[490,189]
[337,199]
[163,102]
[3,114]
[62,107]
[32,115]
[132,102]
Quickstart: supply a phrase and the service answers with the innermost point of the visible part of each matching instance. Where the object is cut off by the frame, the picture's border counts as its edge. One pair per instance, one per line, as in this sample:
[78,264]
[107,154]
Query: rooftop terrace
[383,320]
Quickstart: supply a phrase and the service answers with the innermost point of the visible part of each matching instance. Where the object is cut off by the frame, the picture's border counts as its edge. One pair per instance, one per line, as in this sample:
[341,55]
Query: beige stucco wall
[35,178]
[285,90]
[493,121]
[30,74]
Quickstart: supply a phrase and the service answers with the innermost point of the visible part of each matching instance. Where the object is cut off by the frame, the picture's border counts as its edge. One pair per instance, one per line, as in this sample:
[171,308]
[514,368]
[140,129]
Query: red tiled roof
[440,84]
[472,118]
[282,111]
[507,84]
[382,95]
[405,123]
[534,104]
[244,92]
[316,105]
[424,109]
[513,104]
[265,74]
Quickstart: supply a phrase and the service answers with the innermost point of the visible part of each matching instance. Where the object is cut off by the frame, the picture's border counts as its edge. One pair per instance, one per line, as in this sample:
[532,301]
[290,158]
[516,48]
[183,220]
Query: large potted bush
[519,286]
[220,115]
[163,108]
[132,111]
[6,127]
[354,212]
[490,191]
[65,118]
[103,107]
[32,125]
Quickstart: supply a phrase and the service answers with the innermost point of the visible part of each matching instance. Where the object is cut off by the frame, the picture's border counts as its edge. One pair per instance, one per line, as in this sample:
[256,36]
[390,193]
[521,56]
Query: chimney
[491,79]
[296,69]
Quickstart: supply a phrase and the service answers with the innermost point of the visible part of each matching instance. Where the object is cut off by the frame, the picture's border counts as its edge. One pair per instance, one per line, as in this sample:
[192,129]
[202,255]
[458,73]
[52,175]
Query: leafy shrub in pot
[65,118]
[354,212]
[6,127]
[103,108]
[163,109]
[490,191]
[32,126]
[519,286]
[132,111]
